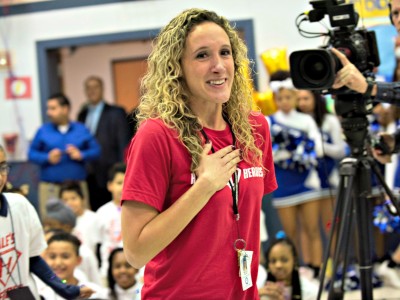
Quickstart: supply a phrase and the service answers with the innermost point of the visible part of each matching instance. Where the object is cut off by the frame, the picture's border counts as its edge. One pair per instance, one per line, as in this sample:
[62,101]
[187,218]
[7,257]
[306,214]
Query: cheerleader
[334,148]
[296,145]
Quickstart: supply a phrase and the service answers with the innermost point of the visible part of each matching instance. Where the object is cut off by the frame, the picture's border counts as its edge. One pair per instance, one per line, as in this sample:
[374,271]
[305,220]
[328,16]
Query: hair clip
[280,234]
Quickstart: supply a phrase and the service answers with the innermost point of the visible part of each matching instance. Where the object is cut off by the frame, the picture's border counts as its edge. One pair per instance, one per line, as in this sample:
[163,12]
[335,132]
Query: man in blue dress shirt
[61,148]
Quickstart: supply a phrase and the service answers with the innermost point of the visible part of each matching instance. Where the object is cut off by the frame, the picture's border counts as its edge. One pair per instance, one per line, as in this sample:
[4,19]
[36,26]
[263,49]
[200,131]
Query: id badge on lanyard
[244,257]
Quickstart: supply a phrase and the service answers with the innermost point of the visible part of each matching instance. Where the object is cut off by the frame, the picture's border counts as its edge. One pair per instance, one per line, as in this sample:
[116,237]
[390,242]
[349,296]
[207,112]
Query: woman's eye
[201,55]
[226,52]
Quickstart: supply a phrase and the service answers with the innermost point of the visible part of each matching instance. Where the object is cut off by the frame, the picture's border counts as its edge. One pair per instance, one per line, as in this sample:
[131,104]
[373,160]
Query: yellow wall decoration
[274,59]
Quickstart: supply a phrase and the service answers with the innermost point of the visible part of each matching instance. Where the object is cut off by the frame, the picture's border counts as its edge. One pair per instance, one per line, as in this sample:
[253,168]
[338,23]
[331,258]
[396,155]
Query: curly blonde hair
[164,94]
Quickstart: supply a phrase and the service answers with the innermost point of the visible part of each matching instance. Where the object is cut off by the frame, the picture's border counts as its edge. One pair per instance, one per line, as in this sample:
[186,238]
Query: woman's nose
[218,64]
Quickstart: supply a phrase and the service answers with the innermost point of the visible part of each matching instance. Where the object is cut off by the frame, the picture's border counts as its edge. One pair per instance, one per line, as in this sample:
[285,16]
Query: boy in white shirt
[72,196]
[60,216]
[62,255]
[109,217]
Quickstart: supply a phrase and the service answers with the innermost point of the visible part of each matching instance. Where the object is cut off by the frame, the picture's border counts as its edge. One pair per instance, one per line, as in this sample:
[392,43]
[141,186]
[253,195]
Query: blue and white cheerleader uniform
[334,148]
[296,144]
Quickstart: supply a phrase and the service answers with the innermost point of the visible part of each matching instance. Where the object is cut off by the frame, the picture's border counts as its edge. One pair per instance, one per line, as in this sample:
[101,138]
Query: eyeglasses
[5,169]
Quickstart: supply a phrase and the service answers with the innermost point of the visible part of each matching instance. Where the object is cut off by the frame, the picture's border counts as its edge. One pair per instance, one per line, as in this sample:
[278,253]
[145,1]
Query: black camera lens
[314,68]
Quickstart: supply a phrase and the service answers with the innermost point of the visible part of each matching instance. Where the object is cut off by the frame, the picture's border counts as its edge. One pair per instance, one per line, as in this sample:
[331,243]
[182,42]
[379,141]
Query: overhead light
[5,61]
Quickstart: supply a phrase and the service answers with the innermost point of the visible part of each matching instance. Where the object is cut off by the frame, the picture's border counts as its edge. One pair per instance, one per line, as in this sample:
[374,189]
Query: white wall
[273,25]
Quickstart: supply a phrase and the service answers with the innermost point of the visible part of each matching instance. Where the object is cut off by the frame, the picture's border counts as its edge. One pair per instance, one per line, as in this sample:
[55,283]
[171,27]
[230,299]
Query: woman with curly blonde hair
[198,166]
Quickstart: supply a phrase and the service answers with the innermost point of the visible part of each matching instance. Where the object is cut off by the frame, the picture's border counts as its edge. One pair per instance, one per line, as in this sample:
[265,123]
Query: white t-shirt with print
[21,237]
[109,231]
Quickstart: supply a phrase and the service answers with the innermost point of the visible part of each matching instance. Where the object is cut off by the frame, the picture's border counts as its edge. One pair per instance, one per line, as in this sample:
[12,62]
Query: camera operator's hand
[349,75]
[389,141]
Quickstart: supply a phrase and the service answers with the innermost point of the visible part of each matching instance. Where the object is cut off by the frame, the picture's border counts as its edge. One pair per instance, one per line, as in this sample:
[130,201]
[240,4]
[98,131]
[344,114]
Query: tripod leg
[364,228]
[343,214]
[392,197]
[346,246]
[336,216]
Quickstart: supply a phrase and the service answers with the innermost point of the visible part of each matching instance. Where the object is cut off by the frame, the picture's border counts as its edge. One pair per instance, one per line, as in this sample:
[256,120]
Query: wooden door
[127,75]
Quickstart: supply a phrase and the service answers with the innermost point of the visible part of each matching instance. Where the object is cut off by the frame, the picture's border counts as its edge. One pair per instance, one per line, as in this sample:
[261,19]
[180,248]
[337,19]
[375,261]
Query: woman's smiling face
[207,64]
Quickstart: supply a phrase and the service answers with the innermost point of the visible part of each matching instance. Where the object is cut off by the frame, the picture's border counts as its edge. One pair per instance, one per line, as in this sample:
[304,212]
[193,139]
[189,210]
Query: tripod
[352,205]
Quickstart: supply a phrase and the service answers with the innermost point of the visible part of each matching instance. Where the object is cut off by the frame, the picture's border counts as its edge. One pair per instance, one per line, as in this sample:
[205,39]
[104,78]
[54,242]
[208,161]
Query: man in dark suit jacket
[109,124]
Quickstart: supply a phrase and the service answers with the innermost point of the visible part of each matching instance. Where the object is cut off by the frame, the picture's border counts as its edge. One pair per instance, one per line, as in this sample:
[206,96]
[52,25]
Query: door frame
[47,66]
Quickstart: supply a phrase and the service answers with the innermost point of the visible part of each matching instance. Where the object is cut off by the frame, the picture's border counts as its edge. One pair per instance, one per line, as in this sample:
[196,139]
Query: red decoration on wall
[18,88]
[10,141]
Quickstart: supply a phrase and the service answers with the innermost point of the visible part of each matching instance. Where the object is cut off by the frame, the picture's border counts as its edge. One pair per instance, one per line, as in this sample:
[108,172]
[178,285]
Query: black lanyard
[235,186]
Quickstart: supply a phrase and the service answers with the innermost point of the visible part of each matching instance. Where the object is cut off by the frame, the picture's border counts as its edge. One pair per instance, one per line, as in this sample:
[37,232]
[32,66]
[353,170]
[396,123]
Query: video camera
[316,69]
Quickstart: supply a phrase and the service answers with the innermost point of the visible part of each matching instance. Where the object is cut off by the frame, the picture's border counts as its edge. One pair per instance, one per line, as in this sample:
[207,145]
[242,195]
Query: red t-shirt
[201,262]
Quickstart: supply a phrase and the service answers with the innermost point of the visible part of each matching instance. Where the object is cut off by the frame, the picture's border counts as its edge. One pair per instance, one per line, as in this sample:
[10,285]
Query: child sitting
[122,277]
[62,255]
[283,281]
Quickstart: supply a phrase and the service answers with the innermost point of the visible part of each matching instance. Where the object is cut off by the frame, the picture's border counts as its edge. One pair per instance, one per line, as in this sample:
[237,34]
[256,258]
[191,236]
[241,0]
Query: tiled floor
[384,293]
